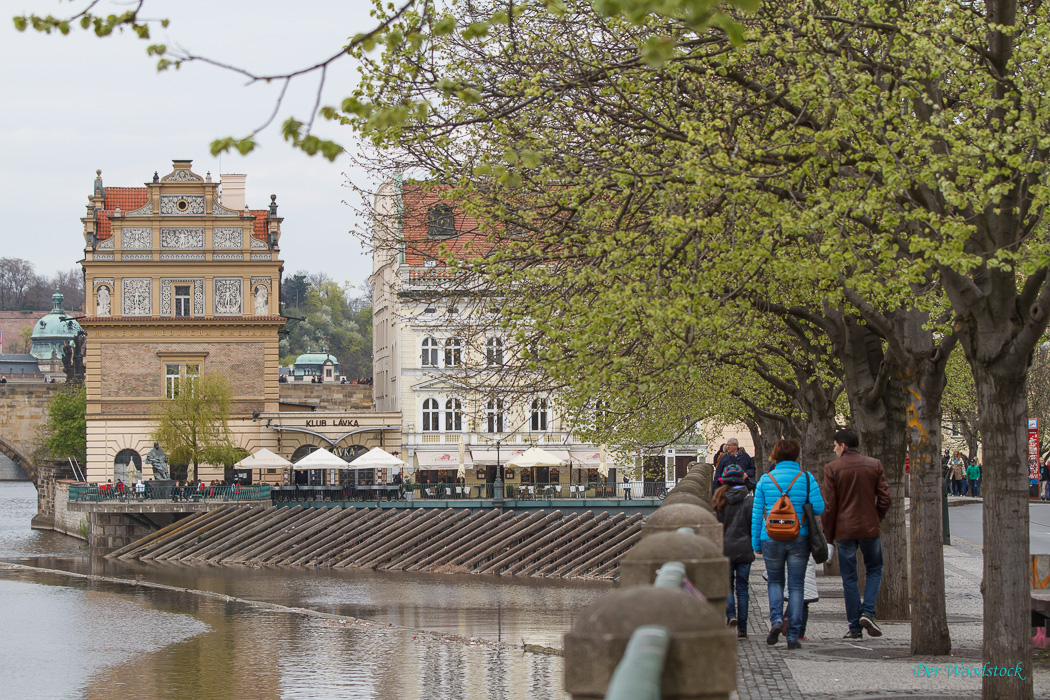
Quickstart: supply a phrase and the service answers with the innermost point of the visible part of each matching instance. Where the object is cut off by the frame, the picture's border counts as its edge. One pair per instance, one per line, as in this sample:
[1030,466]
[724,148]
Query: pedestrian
[958,467]
[733,504]
[1044,474]
[810,594]
[734,455]
[858,499]
[626,488]
[786,478]
[973,473]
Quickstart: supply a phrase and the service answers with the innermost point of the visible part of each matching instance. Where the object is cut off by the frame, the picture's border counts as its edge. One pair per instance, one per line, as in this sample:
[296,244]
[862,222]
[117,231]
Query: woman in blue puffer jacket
[798,485]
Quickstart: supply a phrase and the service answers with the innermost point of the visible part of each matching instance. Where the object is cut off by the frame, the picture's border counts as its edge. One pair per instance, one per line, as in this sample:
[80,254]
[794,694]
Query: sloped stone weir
[577,545]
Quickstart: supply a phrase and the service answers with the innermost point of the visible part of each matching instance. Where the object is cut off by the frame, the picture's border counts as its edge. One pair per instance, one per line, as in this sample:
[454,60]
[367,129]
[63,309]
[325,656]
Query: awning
[586,458]
[447,459]
[488,456]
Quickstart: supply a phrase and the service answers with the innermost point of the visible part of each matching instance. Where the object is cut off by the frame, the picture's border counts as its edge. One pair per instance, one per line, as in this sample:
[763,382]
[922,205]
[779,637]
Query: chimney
[233,191]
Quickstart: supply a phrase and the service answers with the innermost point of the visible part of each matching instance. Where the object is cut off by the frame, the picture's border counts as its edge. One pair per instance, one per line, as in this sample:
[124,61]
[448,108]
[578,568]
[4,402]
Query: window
[429,357]
[494,352]
[494,416]
[182,300]
[178,376]
[539,415]
[430,416]
[453,416]
[441,222]
[453,352]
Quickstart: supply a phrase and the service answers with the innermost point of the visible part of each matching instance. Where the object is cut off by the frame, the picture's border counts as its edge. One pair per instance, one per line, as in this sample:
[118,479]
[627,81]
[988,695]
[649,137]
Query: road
[966,522]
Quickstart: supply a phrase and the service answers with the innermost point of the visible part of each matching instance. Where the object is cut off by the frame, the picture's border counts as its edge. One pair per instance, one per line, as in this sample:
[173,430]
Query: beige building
[437,360]
[182,278]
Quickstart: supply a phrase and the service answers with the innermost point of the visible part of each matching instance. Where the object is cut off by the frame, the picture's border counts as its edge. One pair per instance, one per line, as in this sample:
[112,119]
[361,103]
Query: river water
[120,631]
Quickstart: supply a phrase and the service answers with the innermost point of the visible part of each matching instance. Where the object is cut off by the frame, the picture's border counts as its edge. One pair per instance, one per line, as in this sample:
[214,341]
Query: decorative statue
[159,461]
[73,359]
[103,301]
[261,306]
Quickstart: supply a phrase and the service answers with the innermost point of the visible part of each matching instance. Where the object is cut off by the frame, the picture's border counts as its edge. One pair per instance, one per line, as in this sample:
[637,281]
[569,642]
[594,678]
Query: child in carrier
[732,502]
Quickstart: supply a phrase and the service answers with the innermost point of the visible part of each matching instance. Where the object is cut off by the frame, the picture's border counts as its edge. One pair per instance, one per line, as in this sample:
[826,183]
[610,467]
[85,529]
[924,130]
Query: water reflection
[145,642]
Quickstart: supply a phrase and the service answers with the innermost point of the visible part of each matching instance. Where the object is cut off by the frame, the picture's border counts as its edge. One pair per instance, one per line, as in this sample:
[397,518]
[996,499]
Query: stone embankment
[584,545]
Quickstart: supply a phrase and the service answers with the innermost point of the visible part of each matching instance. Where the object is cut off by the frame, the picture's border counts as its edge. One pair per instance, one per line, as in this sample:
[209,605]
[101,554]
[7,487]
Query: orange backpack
[782,523]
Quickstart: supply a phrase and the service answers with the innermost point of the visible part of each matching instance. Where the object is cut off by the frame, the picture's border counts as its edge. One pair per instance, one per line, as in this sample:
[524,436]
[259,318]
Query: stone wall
[66,521]
[330,396]
[23,411]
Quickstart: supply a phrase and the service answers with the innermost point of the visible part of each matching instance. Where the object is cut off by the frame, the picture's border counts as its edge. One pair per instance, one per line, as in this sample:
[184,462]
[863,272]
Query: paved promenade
[828,666]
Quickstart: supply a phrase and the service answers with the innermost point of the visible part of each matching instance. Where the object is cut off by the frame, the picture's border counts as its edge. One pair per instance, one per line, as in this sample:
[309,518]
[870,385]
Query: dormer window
[441,222]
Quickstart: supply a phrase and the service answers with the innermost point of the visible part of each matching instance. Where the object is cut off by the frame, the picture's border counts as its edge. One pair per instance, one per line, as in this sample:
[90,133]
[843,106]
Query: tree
[193,426]
[66,428]
[25,336]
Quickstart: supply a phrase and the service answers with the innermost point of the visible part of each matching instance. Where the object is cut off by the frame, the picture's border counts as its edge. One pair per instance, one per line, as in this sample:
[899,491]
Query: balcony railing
[121,493]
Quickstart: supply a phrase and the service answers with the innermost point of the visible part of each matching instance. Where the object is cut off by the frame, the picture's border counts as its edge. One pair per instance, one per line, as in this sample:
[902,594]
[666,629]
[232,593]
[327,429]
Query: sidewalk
[828,666]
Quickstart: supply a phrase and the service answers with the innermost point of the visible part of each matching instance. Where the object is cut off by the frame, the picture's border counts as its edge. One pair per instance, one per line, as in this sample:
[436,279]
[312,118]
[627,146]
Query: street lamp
[497,485]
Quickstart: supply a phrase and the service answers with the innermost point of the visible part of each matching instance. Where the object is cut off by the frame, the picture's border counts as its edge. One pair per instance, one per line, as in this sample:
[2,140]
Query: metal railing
[121,493]
[512,491]
[637,676]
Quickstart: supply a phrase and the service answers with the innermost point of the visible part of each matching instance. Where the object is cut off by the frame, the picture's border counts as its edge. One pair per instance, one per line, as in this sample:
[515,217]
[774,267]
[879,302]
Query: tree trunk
[929,626]
[1007,616]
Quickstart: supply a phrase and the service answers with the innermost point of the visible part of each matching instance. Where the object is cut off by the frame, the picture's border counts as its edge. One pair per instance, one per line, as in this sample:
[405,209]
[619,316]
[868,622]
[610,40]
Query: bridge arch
[19,459]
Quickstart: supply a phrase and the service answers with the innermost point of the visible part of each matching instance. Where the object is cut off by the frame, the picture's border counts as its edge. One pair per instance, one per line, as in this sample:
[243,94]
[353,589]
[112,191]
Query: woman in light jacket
[787,477]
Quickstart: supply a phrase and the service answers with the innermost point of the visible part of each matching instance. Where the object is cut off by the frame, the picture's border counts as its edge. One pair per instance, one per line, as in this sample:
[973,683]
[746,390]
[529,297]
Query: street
[966,522]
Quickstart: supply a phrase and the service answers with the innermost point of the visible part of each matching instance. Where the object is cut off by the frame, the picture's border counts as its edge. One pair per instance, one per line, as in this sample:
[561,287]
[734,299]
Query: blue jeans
[793,556]
[738,579]
[973,488]
[871,549]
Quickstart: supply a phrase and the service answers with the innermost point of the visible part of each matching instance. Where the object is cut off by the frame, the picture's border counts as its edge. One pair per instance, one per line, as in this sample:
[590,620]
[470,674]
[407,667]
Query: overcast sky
[73,104]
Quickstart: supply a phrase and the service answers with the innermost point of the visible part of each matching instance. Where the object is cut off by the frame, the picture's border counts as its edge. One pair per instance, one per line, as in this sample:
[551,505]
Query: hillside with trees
[337,319]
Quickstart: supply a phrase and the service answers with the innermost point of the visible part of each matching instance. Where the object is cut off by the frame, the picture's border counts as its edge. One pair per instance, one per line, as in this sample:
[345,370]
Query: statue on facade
[261,298]
[159,462]
[73,359]
[102,308]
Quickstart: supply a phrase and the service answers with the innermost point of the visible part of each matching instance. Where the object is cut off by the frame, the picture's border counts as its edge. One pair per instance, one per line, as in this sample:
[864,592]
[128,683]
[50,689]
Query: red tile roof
[469,240]
[127,198]
[260,224]
[130,198]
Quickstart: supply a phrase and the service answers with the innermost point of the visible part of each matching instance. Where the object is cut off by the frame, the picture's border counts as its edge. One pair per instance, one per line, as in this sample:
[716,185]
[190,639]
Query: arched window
[494,352]
[453,416]
[431,417]
[539,415]
[453,352]
[441,222]
[429,356]
[494,416]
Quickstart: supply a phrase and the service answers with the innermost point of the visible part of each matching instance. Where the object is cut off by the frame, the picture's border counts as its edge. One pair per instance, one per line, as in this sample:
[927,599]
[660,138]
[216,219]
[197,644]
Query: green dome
[316,358]
[52,332]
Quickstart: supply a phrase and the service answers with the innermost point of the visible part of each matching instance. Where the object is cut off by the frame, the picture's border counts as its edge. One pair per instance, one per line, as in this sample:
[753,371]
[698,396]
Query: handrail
[102,493]
[637,676]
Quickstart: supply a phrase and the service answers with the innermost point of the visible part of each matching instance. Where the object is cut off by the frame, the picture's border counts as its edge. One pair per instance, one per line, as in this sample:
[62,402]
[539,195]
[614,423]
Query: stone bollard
[686,497]
[670,518]
[701,658]
[690,486]
[704,563]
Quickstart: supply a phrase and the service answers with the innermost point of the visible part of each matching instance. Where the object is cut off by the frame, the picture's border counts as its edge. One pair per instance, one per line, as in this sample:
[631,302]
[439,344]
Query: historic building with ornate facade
[180,281]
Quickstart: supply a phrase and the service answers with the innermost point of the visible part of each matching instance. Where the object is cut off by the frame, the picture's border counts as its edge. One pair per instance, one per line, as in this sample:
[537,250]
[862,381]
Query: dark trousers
[871,550]
[738,583]
[973,488]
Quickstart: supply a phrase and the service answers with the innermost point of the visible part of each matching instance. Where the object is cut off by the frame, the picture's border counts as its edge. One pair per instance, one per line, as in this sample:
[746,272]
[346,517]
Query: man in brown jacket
[856,499]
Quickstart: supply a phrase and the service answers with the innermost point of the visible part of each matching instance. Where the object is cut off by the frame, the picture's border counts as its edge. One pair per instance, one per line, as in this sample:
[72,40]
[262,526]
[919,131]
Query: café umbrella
[321,459]
[378,458]
[263,459]
[535,457]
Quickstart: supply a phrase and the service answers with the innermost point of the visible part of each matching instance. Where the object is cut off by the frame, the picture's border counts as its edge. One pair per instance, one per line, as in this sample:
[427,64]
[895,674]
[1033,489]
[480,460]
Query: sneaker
[741,634]
[868,623]
[731,622]
[794,645]
[774,635]
[854,635]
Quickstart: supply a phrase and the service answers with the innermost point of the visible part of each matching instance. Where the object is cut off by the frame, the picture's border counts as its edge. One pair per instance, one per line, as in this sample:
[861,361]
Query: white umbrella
[263,459]
[321,459]
[535,457]
[377,458]
[603,466]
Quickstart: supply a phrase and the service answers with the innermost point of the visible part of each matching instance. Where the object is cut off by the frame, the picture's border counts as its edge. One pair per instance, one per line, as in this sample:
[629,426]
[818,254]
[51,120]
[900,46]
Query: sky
[75,104]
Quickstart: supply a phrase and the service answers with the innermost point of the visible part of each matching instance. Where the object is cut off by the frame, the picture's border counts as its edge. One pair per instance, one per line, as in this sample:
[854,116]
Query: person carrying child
[733,503]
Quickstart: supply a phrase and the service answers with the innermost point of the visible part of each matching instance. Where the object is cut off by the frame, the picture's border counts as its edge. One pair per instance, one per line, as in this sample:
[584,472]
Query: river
[77,626]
